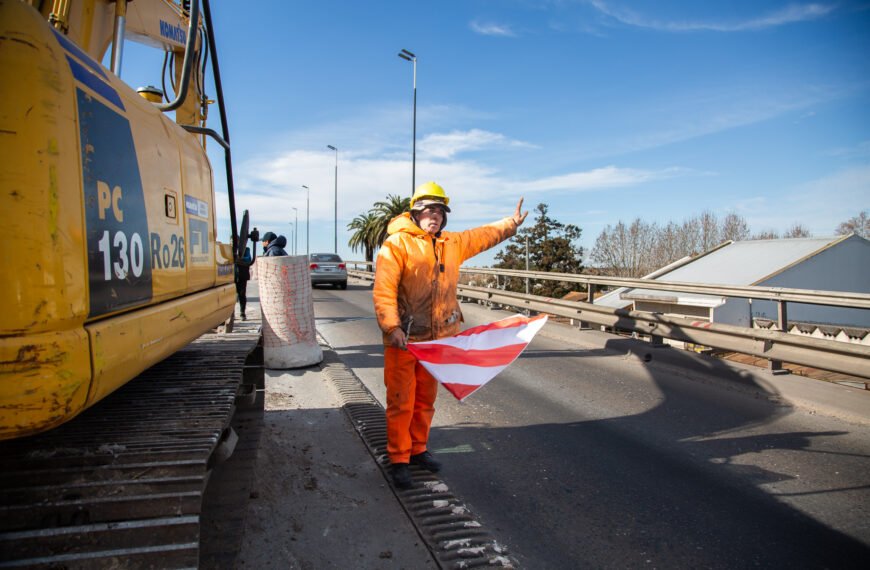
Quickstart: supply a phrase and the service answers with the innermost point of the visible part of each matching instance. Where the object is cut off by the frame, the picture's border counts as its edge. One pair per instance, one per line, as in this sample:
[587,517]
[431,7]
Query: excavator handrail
[218,85]
[224,140]
[208,132]
[189,52]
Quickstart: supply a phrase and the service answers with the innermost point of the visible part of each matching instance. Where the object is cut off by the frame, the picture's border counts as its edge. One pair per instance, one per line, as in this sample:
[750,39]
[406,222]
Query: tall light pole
[408,56]
[295,230]
[307,219]
[336,196]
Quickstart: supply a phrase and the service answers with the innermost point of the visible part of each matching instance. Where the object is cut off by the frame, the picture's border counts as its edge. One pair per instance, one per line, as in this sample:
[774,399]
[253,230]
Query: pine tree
[551,249]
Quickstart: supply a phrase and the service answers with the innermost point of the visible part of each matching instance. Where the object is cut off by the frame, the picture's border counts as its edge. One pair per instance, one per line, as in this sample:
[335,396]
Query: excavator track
[122,485]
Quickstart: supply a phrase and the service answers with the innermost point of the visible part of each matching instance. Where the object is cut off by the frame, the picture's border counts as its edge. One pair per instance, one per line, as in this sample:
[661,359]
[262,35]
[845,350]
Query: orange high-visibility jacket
[416,275]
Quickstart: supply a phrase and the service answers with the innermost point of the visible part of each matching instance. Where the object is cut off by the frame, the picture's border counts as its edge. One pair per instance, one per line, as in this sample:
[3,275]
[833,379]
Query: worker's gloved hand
[397,338]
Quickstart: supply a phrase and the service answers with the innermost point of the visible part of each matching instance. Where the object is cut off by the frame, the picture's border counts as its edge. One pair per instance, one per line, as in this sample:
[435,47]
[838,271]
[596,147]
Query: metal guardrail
[776,346]
[833,298]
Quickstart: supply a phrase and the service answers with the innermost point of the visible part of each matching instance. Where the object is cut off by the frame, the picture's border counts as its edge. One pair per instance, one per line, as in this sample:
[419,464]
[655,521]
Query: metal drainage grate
[450,530]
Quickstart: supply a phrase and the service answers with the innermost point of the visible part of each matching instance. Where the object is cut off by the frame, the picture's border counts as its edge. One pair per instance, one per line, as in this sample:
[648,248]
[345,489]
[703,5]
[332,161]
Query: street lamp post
[295,231]
[336,196]
[408,56]
[307,219]
[292,244]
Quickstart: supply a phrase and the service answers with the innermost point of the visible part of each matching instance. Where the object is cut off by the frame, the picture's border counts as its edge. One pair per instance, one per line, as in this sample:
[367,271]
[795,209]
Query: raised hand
[519,217]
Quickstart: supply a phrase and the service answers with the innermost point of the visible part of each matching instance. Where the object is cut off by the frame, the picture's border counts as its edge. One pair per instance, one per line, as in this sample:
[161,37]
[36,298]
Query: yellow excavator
[117,402]
[110,262]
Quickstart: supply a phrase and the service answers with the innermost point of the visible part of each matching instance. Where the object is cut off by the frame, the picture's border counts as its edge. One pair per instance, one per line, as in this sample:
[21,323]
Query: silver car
[327,268]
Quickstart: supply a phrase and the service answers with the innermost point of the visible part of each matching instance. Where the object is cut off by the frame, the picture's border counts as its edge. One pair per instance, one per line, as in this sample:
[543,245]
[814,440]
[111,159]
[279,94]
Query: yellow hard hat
[430,191]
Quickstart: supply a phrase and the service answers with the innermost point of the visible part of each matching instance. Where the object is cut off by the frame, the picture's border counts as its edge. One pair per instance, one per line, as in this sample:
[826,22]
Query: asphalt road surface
[583,454]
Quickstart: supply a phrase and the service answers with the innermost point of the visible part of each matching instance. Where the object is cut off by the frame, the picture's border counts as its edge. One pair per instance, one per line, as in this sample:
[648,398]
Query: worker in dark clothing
[273,245]
[243,275]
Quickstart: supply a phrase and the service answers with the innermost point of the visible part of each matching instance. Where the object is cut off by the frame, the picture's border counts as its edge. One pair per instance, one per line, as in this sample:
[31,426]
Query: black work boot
[402,476]
[426,461]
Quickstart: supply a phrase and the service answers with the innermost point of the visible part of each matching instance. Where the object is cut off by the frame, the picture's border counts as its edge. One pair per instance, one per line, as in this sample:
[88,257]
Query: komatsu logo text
[174,33]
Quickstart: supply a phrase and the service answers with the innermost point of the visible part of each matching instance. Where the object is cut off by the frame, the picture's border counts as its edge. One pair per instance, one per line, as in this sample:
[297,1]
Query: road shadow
[667,484]
[350,287]
[335,320]
[594,494]
[363,356]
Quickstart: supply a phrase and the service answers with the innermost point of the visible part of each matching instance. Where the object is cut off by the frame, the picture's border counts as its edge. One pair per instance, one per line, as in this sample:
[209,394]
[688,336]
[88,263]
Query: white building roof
[613,299]
[735,263]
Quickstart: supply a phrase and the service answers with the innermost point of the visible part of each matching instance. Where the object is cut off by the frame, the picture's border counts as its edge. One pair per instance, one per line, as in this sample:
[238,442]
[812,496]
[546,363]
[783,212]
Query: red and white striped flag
[465,362]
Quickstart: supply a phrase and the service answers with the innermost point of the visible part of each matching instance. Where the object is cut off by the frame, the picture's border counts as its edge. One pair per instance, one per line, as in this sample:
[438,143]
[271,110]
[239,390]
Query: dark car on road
[327,268]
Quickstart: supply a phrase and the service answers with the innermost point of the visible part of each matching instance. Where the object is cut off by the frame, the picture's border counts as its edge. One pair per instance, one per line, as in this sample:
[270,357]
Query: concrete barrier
[289,335]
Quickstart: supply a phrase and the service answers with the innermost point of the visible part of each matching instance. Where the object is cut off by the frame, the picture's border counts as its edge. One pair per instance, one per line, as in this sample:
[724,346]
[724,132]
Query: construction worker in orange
[416,275]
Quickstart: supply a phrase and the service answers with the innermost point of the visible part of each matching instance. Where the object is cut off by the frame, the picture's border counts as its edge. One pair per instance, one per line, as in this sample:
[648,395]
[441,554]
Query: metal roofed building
[613,298]
[839,263]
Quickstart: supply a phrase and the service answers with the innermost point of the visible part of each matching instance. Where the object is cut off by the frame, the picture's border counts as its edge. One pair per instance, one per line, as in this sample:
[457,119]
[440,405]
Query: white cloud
[446,145]
[597,179]
[371,165]
[270,187]
[492,29]
[820,204]
[788,15]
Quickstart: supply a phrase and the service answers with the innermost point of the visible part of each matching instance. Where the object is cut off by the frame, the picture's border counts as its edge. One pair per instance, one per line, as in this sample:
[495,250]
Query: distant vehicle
[327,268]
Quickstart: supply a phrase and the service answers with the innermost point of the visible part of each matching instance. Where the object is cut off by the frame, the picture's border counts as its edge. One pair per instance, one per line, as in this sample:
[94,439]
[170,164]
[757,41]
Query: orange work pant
[411,393]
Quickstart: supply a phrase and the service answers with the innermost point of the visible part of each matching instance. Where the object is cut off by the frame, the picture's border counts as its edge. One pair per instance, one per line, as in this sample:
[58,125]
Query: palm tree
[386,210]
[364,236]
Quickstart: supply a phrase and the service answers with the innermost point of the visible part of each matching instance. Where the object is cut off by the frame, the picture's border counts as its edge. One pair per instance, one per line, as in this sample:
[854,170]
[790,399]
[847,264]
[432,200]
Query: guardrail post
[590,296]
[527,264]
[775,366]
[656,340]
[490,304]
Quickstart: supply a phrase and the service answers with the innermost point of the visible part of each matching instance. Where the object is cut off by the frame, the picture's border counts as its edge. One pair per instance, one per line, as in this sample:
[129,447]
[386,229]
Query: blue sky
[606,110]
